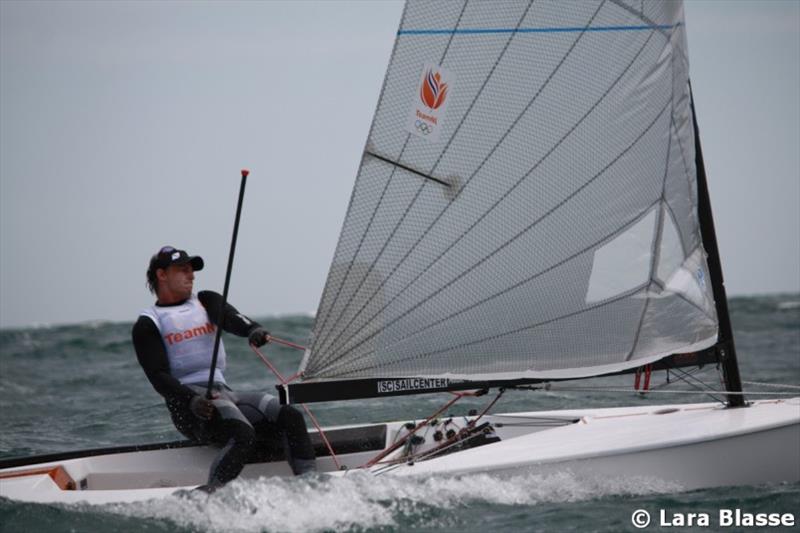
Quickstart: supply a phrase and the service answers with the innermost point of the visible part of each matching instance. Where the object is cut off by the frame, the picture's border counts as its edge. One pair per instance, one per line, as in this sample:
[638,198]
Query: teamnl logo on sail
[430,102]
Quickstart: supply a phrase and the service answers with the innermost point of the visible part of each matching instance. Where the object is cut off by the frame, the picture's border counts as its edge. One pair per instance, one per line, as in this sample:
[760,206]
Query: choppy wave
[362,501]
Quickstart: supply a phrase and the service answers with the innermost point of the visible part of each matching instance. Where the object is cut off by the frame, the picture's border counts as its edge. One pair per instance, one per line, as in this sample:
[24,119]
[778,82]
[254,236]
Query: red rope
[471,424]
[324,437]
[648,369]
[276,340]
[393,447]
[399,443]
[463,431]
[284,381]
[266,362]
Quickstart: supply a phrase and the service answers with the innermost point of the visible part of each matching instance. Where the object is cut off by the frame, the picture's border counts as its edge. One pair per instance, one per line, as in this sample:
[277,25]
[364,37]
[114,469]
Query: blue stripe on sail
[537,30]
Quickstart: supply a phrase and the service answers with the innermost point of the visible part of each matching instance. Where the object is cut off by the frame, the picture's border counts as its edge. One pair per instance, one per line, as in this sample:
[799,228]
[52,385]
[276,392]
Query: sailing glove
[258,337]
[201,407]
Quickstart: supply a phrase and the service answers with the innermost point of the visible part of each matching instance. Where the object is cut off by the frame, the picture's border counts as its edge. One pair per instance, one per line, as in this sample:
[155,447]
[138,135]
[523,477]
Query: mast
[725,345]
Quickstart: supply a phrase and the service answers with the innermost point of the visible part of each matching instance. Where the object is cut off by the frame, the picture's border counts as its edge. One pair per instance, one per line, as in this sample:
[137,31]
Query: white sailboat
[531,207]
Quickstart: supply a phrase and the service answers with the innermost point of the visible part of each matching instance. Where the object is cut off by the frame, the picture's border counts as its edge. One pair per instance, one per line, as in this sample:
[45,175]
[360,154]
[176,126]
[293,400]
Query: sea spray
[361,500]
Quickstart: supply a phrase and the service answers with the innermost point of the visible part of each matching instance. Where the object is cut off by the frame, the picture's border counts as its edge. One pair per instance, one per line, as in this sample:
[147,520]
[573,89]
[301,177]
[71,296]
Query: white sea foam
[363,501]
[791,304]
[13,387]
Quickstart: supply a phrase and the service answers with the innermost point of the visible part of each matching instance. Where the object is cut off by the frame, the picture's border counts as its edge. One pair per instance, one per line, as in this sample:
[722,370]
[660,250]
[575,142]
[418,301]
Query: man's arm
[233,321]
[153,357]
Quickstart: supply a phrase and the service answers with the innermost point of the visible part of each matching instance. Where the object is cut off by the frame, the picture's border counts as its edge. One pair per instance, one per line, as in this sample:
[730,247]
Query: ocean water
[79,386]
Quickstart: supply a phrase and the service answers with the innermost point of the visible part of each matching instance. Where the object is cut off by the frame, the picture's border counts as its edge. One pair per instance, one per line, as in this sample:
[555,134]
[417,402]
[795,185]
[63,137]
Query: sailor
[174,342]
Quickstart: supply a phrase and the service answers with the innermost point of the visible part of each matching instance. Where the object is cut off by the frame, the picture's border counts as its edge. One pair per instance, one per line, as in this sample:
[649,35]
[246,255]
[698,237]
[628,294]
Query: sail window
[623,263]
[690,281]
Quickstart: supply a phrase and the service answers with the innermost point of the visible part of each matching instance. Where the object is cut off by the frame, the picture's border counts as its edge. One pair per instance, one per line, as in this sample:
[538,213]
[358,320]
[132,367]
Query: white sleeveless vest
[188,336]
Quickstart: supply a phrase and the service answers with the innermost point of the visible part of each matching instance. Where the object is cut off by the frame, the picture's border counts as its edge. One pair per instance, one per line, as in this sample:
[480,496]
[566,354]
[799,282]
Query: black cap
[169,255]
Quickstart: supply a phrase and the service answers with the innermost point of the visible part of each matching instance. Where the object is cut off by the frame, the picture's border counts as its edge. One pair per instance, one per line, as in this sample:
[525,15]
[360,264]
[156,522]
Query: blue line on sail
[537,30]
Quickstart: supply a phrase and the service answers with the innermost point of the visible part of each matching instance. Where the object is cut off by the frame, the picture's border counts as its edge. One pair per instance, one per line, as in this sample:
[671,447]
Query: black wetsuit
[242,421]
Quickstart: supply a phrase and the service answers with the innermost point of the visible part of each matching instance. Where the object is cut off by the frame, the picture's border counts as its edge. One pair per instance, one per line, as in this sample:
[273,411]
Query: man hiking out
[174,342]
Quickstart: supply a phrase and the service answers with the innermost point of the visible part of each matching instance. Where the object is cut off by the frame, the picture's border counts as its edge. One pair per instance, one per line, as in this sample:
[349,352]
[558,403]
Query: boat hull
[769,455]
[687,447]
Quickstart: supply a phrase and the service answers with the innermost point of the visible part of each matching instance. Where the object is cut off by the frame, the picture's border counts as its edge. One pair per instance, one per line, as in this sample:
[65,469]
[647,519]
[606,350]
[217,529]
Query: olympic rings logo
[423,127]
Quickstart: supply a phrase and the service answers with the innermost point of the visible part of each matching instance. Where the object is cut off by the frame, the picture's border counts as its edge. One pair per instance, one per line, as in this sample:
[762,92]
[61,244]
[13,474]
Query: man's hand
[202,407]
[259,337]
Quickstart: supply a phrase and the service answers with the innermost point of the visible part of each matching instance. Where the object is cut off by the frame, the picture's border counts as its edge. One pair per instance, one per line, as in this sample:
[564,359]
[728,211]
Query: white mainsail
[526,206]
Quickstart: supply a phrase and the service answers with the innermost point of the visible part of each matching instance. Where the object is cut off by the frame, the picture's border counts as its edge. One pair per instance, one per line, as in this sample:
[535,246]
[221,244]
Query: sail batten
[409,169]
[552,229]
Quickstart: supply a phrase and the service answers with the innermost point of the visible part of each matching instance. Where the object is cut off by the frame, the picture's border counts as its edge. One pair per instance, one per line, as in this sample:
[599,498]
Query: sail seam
[361,242]
[685,166]
[450,40]
[688,182]
[670,211]
[655,250]
[566,29]
[653,261]
[641,321]
[480,92]
[324,343]
[674,219]
[622,296]
[662,28]
[537,221]
[321,308]
[596,104]
[477,170]
[605,238]
[375,211]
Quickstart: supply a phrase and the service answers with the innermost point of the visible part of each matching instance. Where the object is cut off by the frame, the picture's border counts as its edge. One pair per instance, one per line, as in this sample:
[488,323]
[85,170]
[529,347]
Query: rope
[269,365]
[284,381]
[647,371]
[460,436]
[685,376]
[775,385]
[322,434]
[276,340]
[422,456]
[601,389]
[398,443]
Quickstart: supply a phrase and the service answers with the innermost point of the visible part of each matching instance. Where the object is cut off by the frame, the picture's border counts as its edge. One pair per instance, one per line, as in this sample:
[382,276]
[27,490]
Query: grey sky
[123,127]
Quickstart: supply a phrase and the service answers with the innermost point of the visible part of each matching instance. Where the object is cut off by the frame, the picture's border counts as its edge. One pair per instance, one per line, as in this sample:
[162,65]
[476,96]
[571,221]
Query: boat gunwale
[341,437]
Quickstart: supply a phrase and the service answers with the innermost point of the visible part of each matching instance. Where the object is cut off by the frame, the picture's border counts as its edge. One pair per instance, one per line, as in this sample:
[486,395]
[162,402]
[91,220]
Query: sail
[526,205]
